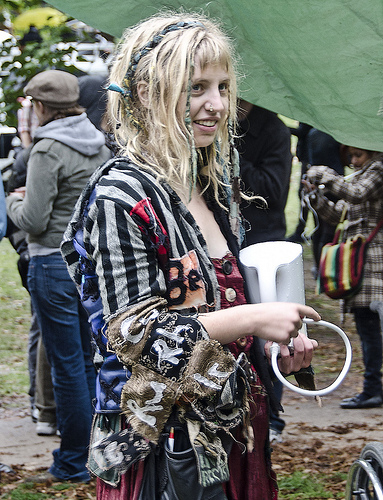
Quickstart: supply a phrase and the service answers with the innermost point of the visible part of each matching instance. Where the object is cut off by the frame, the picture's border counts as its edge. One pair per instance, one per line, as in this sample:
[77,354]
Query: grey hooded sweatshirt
[66,153]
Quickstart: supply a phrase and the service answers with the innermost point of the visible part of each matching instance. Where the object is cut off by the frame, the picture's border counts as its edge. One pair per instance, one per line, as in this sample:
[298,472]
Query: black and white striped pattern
[126,263]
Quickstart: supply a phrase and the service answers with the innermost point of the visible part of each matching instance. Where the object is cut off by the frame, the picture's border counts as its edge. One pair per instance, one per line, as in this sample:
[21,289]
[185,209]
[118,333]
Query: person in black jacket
[264,146]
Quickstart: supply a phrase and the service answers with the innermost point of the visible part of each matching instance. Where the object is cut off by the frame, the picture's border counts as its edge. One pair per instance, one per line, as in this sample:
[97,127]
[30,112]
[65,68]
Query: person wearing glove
[361,194]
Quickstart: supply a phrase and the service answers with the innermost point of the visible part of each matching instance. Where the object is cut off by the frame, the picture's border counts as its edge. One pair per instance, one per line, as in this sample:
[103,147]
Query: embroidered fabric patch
[186,288]
[113,451]
[151,227]
[208,369]
[128,332]
[170,344]
[147,400]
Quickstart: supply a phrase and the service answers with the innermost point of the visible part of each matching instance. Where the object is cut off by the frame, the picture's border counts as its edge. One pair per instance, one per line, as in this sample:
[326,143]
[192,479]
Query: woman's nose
[215,102]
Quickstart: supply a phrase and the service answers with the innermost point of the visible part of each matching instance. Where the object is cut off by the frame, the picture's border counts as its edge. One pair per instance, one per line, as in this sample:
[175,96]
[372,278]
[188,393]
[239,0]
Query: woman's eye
[223,87]
[197,87]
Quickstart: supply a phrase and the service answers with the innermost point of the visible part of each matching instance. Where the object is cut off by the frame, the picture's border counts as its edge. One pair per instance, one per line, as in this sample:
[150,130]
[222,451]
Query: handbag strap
[338,235]
[375,231]
[344,212]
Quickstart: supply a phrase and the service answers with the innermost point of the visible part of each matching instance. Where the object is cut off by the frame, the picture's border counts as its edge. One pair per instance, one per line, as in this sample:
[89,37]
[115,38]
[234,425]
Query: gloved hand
[320,174]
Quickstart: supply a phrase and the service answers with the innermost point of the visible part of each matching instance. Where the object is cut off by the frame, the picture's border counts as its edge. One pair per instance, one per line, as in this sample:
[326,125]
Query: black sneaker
[361,401]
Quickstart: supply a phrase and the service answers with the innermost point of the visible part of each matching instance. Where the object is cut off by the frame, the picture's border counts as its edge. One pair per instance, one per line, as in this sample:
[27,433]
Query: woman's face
[358,157]
[209,102]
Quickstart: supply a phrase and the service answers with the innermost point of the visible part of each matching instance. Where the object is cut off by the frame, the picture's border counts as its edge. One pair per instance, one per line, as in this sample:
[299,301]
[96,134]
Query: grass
[301,486]
[28,492]
[14,325]
[62,491]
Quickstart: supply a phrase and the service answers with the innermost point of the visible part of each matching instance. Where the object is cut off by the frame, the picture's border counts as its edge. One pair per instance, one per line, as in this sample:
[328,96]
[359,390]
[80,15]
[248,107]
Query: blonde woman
[158,228]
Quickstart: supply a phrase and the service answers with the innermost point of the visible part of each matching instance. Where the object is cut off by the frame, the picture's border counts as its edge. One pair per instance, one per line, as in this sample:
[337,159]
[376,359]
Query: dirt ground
[316,438]
[327,439]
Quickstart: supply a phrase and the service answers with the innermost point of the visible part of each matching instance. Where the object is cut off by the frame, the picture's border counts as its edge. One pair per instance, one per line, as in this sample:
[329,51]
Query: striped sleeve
[126,261]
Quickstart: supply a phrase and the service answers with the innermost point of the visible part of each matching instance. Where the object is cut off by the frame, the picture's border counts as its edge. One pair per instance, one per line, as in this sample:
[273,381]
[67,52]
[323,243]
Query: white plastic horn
[274,273]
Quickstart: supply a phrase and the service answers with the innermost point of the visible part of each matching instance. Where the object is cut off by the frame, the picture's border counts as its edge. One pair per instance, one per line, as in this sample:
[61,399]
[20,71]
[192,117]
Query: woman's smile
[209,103]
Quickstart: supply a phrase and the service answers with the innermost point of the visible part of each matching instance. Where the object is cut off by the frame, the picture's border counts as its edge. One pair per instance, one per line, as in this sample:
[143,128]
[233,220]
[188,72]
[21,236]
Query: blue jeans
[66,335]
[368,327]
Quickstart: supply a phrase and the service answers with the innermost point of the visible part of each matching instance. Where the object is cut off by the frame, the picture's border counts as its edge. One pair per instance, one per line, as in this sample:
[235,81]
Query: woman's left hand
[300,357]
[320,174]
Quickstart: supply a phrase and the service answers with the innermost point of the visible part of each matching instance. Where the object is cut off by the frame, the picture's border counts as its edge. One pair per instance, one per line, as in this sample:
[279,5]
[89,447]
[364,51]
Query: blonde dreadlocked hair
[161,52]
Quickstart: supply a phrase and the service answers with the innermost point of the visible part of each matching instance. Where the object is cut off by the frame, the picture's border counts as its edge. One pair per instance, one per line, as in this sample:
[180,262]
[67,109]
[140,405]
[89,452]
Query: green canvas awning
[316,61]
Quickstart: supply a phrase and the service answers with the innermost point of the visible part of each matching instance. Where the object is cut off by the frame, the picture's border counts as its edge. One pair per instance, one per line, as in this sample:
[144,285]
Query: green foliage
[12,8]
[62,487]
[15,7]
[21,66]
[22,493]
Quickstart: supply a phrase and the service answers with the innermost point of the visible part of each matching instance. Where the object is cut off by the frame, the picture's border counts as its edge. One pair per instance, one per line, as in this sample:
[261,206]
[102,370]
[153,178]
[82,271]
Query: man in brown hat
[67,149]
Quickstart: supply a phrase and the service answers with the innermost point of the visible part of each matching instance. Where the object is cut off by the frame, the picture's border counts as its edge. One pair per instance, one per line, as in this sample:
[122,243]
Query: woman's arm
[272,321]
[366,186]
[275,321]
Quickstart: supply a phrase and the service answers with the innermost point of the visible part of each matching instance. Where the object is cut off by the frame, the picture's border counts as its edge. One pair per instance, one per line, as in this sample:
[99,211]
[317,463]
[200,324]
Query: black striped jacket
[132,227]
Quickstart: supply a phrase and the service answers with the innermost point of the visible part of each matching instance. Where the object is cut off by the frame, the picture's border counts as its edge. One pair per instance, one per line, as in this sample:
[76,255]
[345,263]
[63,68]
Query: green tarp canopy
[316,61]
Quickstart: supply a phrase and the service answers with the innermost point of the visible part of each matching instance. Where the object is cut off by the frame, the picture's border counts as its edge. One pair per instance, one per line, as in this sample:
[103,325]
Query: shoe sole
[360,407]
[46,432]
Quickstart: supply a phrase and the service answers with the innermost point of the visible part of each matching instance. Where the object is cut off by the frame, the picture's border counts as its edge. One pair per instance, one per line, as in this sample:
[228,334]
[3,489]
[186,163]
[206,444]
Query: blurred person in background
[362,197]
[67,149]
[264,147]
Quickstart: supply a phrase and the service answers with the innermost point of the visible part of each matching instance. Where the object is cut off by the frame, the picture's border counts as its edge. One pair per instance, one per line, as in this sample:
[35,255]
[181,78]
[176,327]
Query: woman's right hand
[279,321]
[275,321]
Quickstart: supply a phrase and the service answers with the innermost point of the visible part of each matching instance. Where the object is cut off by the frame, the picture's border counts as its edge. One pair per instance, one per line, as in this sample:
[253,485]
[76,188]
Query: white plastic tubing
[274,350]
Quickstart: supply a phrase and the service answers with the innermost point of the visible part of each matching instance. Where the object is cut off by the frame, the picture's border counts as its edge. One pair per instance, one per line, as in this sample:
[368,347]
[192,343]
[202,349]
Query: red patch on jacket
[151,226]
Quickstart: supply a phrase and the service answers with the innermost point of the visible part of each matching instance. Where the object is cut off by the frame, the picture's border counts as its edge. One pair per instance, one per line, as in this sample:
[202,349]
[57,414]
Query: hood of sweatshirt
[77,132]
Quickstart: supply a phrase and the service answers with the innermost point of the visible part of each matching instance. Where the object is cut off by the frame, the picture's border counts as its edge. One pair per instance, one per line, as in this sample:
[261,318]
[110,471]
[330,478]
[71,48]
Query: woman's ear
[143,93]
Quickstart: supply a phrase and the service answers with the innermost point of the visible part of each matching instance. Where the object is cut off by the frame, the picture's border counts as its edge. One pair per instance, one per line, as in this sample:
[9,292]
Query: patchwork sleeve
[127,249]
[145,293]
